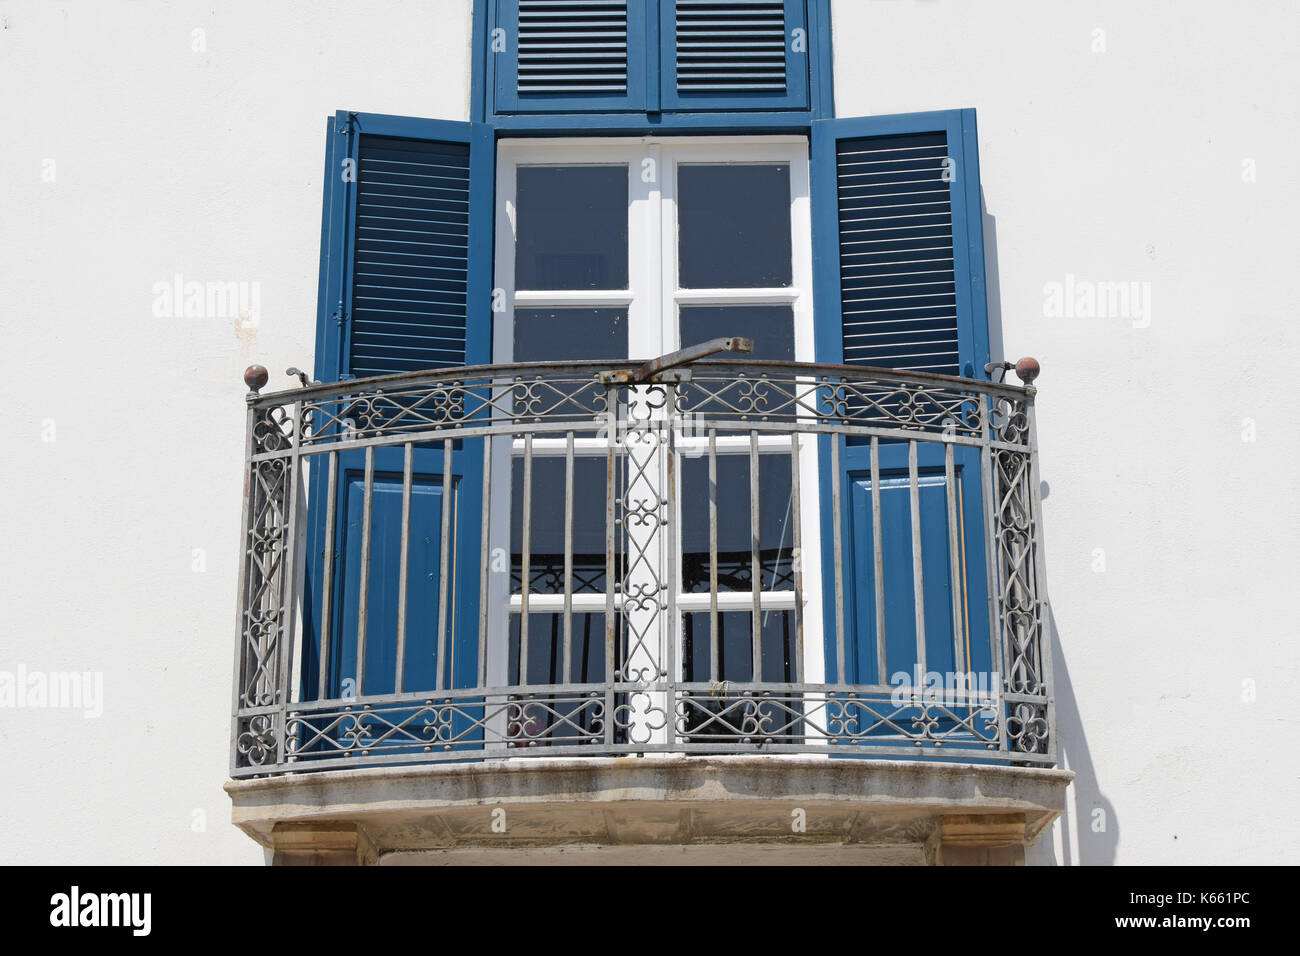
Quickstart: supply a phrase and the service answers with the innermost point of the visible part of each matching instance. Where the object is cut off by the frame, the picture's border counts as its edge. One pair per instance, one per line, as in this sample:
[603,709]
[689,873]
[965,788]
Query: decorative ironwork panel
[1022,612]
[634,686]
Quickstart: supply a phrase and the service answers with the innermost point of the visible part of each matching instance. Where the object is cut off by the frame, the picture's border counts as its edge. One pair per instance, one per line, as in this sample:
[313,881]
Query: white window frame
[653,290]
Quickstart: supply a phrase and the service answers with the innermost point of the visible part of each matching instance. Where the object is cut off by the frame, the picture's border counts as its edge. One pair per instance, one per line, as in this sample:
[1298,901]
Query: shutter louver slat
[730,46]
[411,256]
[572,46]
[897,280]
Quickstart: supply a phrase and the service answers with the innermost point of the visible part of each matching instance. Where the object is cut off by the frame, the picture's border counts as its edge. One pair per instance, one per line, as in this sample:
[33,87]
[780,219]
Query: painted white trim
[594,298]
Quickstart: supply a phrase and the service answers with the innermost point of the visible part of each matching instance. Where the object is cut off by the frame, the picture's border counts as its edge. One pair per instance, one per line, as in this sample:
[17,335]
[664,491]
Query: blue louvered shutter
[898,243]
[406,246]
[898,267]
[406,274]
[898,291]
[570,55]
[734,54]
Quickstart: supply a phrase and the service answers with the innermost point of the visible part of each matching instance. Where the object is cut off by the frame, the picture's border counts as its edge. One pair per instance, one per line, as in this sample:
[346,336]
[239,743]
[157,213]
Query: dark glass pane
[571,227]
[770,326]
[570,335]
[734,226]
[546,542]
[546,648]
[735,561]
[735,647]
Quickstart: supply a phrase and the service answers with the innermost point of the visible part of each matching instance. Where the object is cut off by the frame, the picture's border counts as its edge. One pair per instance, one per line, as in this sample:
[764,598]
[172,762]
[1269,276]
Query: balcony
[725,607]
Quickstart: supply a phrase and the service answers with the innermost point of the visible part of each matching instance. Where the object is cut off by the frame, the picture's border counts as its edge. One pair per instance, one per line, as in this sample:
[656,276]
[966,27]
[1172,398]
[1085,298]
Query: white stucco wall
[1127,166]
[167,161]
[124,429]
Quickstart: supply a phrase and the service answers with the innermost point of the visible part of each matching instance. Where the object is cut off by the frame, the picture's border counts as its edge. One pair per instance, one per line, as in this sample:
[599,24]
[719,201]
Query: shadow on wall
[992,286]
[1088,826]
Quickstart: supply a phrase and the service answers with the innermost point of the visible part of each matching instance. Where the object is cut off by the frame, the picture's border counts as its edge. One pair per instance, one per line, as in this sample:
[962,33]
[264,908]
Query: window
[563,56]
[616,249]
[648,246]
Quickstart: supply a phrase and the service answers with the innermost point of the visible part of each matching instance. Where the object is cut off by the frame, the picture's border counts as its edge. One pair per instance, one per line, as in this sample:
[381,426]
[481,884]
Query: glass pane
[734,226]
[546,527]
[770,326]
[570,335]
[546,648]
[735,646]
[571,227]
[735,562]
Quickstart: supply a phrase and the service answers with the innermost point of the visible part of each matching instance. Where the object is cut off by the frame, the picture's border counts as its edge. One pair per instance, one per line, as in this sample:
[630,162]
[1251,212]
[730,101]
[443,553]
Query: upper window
[647,56]
[618,249]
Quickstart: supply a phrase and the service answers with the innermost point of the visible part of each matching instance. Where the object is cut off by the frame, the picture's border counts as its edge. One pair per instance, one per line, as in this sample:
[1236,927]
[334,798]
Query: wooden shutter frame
[967,227]
[973,351]
[338,228]
[344,132]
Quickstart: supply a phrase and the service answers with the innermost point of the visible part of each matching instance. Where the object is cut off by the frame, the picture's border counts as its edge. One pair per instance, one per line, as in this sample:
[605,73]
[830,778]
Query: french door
[626,249]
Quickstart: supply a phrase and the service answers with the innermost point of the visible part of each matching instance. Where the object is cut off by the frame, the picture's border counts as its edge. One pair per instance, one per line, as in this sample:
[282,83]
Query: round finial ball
[255,376]
[1027,370]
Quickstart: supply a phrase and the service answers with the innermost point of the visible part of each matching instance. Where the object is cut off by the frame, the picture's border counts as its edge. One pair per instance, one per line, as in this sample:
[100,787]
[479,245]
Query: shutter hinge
[340,314]
[347,125]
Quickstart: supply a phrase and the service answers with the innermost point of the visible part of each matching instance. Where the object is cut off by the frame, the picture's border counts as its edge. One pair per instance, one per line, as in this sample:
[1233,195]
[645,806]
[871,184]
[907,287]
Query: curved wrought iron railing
[292,711]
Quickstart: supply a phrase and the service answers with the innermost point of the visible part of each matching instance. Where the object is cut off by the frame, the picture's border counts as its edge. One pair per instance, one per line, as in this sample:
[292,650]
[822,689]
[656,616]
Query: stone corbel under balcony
[654,809]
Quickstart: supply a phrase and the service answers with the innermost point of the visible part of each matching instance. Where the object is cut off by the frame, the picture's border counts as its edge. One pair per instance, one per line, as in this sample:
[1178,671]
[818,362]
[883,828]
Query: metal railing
[637,643]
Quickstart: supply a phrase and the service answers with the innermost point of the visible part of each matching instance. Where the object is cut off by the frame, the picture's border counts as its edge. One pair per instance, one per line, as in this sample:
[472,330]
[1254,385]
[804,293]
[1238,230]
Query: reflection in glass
[546,529]
[734,558]
[541,720]
[546,648]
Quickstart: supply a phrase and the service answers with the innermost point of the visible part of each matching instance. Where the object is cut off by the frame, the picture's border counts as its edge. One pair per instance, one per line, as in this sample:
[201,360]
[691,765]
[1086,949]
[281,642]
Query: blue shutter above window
[572,46]
[897,243]
[734,54]
[649,56]
[406,246]
[570,55]
[723,45]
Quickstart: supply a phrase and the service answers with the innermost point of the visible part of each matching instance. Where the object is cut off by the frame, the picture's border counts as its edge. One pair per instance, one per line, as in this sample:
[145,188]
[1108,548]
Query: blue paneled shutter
[406,271]
[899,283]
